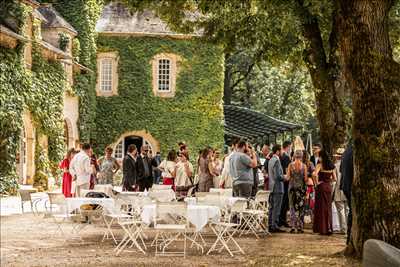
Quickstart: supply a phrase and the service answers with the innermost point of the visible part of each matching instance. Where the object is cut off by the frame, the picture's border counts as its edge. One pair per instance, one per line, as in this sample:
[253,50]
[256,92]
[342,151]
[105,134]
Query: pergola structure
[241,122]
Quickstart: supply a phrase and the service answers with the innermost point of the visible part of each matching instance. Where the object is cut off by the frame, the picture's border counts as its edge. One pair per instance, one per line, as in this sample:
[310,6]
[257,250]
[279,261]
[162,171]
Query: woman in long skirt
[67,177]
[325,173]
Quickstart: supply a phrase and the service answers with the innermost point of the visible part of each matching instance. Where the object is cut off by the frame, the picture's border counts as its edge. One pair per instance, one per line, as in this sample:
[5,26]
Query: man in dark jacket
[145,169]
[347,171]
[129,169]
[285,161]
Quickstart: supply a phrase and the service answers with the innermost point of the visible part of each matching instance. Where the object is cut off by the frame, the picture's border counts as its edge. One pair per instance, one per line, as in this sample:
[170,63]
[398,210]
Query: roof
[54,49]
[54,19]
[249,124]
[116,19]
[12,34]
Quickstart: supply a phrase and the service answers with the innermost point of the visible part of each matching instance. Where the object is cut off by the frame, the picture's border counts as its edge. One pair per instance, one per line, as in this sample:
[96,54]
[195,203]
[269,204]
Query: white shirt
[167,167]
[226,177]
[181,178]
[80,167]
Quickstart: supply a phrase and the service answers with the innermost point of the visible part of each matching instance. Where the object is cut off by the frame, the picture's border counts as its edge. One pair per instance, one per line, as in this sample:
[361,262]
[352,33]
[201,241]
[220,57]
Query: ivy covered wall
[194,115]
[83,15]
[39,91]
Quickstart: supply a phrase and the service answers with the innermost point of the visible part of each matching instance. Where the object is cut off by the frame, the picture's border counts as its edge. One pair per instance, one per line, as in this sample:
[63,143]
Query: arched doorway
[139,138]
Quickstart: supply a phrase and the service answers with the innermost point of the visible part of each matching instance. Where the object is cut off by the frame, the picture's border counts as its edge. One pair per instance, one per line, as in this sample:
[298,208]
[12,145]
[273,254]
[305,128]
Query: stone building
[47,25]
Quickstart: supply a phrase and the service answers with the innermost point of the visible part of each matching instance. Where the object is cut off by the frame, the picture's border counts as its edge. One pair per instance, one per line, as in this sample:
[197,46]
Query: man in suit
[315,157]
[129,169]
[276,178]
[285,161]
[156,171]
[346,183]
[145,169]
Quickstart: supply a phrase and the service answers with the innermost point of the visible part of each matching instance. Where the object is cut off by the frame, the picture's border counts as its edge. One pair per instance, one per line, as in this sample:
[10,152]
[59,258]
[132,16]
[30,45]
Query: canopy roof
[246,123]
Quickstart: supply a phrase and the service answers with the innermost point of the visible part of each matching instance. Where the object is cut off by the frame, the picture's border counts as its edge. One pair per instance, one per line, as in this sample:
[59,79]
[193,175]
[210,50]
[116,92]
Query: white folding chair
[56,208]
[26,196]
[114,216]
[167,233]
[225,230]
[259,211]
[132,233]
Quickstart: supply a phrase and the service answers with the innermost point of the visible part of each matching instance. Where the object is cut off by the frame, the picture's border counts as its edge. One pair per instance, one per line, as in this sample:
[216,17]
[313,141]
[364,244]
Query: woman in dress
[67,177]
[217,165]
[297,175]
[184,172]
[108,167]
[167,168]
[324,174]
[310,194]
[205,170]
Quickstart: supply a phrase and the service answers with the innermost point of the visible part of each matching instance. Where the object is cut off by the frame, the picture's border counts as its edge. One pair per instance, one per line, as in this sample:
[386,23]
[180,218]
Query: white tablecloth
[224,192]
[162,195]
[75,203]
[198,215]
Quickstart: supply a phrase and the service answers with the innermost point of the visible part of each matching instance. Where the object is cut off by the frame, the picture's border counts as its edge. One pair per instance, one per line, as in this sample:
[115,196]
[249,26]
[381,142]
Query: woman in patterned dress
[108,167]
[297,174]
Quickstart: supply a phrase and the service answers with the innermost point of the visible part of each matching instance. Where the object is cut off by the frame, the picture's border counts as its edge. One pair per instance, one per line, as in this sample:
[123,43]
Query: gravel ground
[28,240]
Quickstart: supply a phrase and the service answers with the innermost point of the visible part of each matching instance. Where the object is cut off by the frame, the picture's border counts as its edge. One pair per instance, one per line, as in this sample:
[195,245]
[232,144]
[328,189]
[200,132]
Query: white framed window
[164,67]
[119,151]
[106,74]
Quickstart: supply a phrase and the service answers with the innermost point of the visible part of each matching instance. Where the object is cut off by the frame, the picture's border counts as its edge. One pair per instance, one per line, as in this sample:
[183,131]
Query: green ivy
[83,15]
[76,49]
[39,90]
[194,115]
[63,41]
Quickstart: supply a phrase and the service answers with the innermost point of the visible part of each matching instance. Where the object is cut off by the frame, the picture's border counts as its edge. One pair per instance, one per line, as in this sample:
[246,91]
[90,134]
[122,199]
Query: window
[106,75]
[163,74]
[118,152]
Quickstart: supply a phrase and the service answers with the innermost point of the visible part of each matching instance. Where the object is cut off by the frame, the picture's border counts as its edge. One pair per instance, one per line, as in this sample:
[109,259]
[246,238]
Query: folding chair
[225,232]
[167,233]
[26,196]
[114,216]
[56,208]
[132,229]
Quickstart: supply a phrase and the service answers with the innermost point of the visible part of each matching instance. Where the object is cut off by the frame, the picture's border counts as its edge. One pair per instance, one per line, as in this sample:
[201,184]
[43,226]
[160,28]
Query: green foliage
[63,41]
[194,115]
[42,165]
[83,15]
[76,49]
[39,91]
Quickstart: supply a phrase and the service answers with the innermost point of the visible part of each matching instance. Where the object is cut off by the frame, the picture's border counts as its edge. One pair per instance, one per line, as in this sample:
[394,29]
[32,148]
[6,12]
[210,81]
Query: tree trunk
[227,82]
[330,112]
[374,80]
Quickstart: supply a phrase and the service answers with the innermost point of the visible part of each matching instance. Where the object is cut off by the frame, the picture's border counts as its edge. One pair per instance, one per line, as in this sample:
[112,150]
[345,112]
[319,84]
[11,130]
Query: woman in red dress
[67,177]
[325,173]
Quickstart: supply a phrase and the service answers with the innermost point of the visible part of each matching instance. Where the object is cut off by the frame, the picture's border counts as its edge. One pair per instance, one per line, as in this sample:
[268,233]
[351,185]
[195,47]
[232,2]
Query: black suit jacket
[140,168]
[130,173]
[347,171]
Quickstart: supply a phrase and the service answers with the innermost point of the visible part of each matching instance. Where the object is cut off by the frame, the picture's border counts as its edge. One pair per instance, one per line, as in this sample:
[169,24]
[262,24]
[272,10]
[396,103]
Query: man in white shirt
[81,169]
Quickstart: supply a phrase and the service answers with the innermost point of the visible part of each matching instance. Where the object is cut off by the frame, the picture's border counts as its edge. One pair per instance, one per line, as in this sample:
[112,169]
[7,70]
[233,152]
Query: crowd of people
[299,185]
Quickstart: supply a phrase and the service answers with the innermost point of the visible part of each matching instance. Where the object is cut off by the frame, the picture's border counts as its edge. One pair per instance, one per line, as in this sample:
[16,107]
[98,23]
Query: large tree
[346,47]
[374,79]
